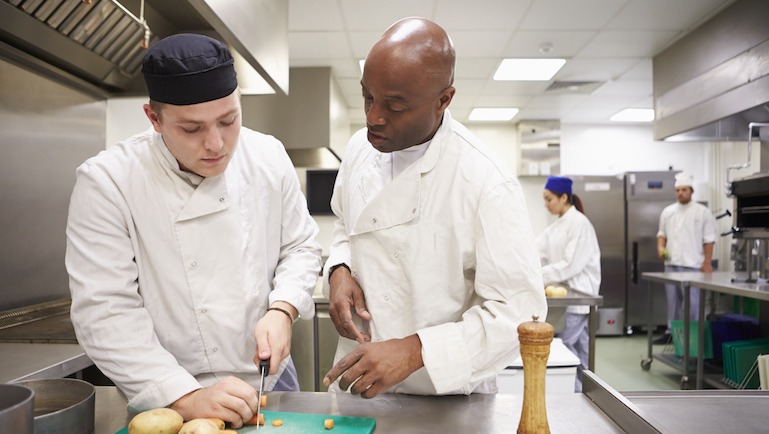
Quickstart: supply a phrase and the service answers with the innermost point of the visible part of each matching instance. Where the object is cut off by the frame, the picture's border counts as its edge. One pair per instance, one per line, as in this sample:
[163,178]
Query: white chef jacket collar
[406,157]
[191,178]
[434,152]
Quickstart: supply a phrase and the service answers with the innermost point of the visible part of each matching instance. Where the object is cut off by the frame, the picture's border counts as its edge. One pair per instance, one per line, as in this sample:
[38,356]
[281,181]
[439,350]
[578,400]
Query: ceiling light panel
[493,114]
[634,115]
[528,69]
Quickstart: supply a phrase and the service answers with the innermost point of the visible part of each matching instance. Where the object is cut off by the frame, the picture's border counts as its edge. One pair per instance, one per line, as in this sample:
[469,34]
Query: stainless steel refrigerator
[625,211]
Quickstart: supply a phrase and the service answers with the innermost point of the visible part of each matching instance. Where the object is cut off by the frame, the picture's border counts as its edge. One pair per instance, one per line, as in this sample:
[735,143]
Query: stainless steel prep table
[396,413]
[23,362]
[599,409]
[579,298]
[682,279]
[721,282]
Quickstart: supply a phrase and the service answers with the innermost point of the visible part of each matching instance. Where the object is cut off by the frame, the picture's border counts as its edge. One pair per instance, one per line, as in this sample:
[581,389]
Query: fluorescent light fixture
[528,69]
[361,63]
[634,115]
[493,114]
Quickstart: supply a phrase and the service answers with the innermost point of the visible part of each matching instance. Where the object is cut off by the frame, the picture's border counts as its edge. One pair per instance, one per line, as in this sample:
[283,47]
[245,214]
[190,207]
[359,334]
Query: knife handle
[264,367]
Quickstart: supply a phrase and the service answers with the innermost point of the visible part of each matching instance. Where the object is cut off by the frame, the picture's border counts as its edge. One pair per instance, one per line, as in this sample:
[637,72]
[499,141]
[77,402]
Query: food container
[17,404]
[63,406]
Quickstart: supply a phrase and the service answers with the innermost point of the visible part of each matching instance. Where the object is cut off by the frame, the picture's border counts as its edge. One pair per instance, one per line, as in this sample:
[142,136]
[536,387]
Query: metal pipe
[142,22]
[747,164]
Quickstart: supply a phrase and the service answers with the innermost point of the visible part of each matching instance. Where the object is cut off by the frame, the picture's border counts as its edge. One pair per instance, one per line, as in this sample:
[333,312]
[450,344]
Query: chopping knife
[264,369]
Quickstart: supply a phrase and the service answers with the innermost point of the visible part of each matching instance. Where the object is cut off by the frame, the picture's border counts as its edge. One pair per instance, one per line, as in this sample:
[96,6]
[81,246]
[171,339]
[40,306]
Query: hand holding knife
[264,370]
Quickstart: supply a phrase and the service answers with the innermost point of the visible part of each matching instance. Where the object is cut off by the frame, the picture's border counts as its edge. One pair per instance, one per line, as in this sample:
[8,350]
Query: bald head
[417,42]
[407,84]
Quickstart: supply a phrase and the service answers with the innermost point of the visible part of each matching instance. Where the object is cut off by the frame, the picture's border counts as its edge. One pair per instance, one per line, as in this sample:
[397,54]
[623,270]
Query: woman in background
[570,255]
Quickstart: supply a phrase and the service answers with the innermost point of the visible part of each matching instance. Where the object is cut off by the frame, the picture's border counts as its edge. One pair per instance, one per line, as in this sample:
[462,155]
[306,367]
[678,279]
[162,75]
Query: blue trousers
[288,381]
[576,337]
[675,297]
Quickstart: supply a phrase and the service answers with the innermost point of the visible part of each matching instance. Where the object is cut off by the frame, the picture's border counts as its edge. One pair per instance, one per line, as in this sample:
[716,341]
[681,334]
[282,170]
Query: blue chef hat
[558,184]
[189,69]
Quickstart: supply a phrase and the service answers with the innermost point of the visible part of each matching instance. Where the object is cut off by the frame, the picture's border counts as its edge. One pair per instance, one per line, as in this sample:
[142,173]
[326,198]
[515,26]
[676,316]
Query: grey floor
[618,363]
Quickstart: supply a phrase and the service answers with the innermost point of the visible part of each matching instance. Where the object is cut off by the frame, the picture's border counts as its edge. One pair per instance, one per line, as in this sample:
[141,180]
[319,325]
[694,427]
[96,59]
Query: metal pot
[17,405]
[63,406]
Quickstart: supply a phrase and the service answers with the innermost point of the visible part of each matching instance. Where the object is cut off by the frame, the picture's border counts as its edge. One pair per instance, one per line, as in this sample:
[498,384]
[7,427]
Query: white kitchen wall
[125,117]
[609,150]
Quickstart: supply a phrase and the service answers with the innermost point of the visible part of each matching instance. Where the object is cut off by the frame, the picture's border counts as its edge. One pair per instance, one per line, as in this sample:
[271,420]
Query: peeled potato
[200,426]
[157,421]
[556,291]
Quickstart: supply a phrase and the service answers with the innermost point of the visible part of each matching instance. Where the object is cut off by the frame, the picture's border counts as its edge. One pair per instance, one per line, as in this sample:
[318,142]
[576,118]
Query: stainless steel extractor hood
[97,46]
[713,82]
[100,42]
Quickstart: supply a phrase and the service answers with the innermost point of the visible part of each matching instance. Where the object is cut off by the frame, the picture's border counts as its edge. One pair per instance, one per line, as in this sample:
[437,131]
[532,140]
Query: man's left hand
[377,366]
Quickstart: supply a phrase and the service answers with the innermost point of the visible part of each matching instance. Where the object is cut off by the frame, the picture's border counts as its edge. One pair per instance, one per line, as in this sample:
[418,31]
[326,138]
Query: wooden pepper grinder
[535,338]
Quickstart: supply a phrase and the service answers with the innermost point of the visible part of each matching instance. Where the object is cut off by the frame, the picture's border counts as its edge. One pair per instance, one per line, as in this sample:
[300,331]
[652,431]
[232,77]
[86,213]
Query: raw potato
[328,423]
[277,422]
[556,291]
[157,421]
[199,426]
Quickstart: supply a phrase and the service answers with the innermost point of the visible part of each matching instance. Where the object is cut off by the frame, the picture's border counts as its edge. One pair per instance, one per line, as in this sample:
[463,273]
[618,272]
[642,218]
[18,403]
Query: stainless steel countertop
[394,413]
[575,298]
[706,411]
[22,361]
[719,281]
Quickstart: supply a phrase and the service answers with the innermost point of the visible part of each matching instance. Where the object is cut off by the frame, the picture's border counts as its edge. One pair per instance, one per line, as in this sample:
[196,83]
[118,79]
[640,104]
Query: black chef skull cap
[189,69]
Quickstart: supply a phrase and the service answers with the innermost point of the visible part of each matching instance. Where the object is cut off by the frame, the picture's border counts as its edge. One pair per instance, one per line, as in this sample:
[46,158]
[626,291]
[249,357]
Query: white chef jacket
[168,279]
[687,228]
[444,250]
[569,252]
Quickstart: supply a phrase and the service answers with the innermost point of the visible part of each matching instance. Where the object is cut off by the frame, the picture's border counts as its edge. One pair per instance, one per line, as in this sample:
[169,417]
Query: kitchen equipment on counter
[751,208]
[63,406]
[17,405]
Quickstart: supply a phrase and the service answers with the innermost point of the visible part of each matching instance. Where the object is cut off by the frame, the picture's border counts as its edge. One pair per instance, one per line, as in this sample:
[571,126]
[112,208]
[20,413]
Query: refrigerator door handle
[634,264]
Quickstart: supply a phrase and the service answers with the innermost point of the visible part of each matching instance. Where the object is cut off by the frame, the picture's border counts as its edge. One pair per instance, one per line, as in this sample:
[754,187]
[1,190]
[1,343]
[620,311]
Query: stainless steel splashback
[46,131]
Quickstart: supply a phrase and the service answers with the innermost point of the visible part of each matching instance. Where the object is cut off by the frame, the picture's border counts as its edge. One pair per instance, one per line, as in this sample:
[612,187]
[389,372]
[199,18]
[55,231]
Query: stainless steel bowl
[17,404]
[63,406]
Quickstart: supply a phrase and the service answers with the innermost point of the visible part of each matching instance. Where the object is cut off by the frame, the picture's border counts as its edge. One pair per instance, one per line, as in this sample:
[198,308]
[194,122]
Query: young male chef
[189,246]
[433,263]
[685,239]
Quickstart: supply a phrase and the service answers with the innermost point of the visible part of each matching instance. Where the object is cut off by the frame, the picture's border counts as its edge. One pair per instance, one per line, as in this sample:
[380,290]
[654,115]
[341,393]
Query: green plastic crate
[677,329]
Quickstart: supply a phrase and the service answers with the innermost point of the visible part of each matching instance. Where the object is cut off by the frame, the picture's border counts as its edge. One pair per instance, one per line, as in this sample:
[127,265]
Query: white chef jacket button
[203,311]
[221,199]
[387,298]
[379,340]
[355,274]
[216,349]
[413,210]
[194,264]
[395,255]
[373,220]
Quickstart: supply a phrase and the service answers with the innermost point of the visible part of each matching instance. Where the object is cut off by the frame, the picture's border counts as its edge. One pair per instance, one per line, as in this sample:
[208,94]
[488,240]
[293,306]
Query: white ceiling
[611,41]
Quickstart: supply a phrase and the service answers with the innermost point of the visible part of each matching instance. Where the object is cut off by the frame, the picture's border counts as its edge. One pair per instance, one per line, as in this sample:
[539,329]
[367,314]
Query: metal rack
[717,282]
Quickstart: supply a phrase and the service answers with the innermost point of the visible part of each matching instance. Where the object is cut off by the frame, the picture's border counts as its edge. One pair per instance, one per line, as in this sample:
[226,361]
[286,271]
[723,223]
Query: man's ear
[153,117]
[446,96]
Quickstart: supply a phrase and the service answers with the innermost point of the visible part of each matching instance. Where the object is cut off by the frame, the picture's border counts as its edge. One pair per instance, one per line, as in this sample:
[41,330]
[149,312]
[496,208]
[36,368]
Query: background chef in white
[569,252]
[433,248]
[685,241]
[180,238]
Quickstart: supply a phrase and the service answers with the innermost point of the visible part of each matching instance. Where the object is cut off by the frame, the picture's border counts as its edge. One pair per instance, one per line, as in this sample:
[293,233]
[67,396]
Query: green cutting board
[306,423]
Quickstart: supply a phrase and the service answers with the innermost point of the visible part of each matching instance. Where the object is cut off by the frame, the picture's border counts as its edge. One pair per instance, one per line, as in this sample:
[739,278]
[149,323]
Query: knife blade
[264,369]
